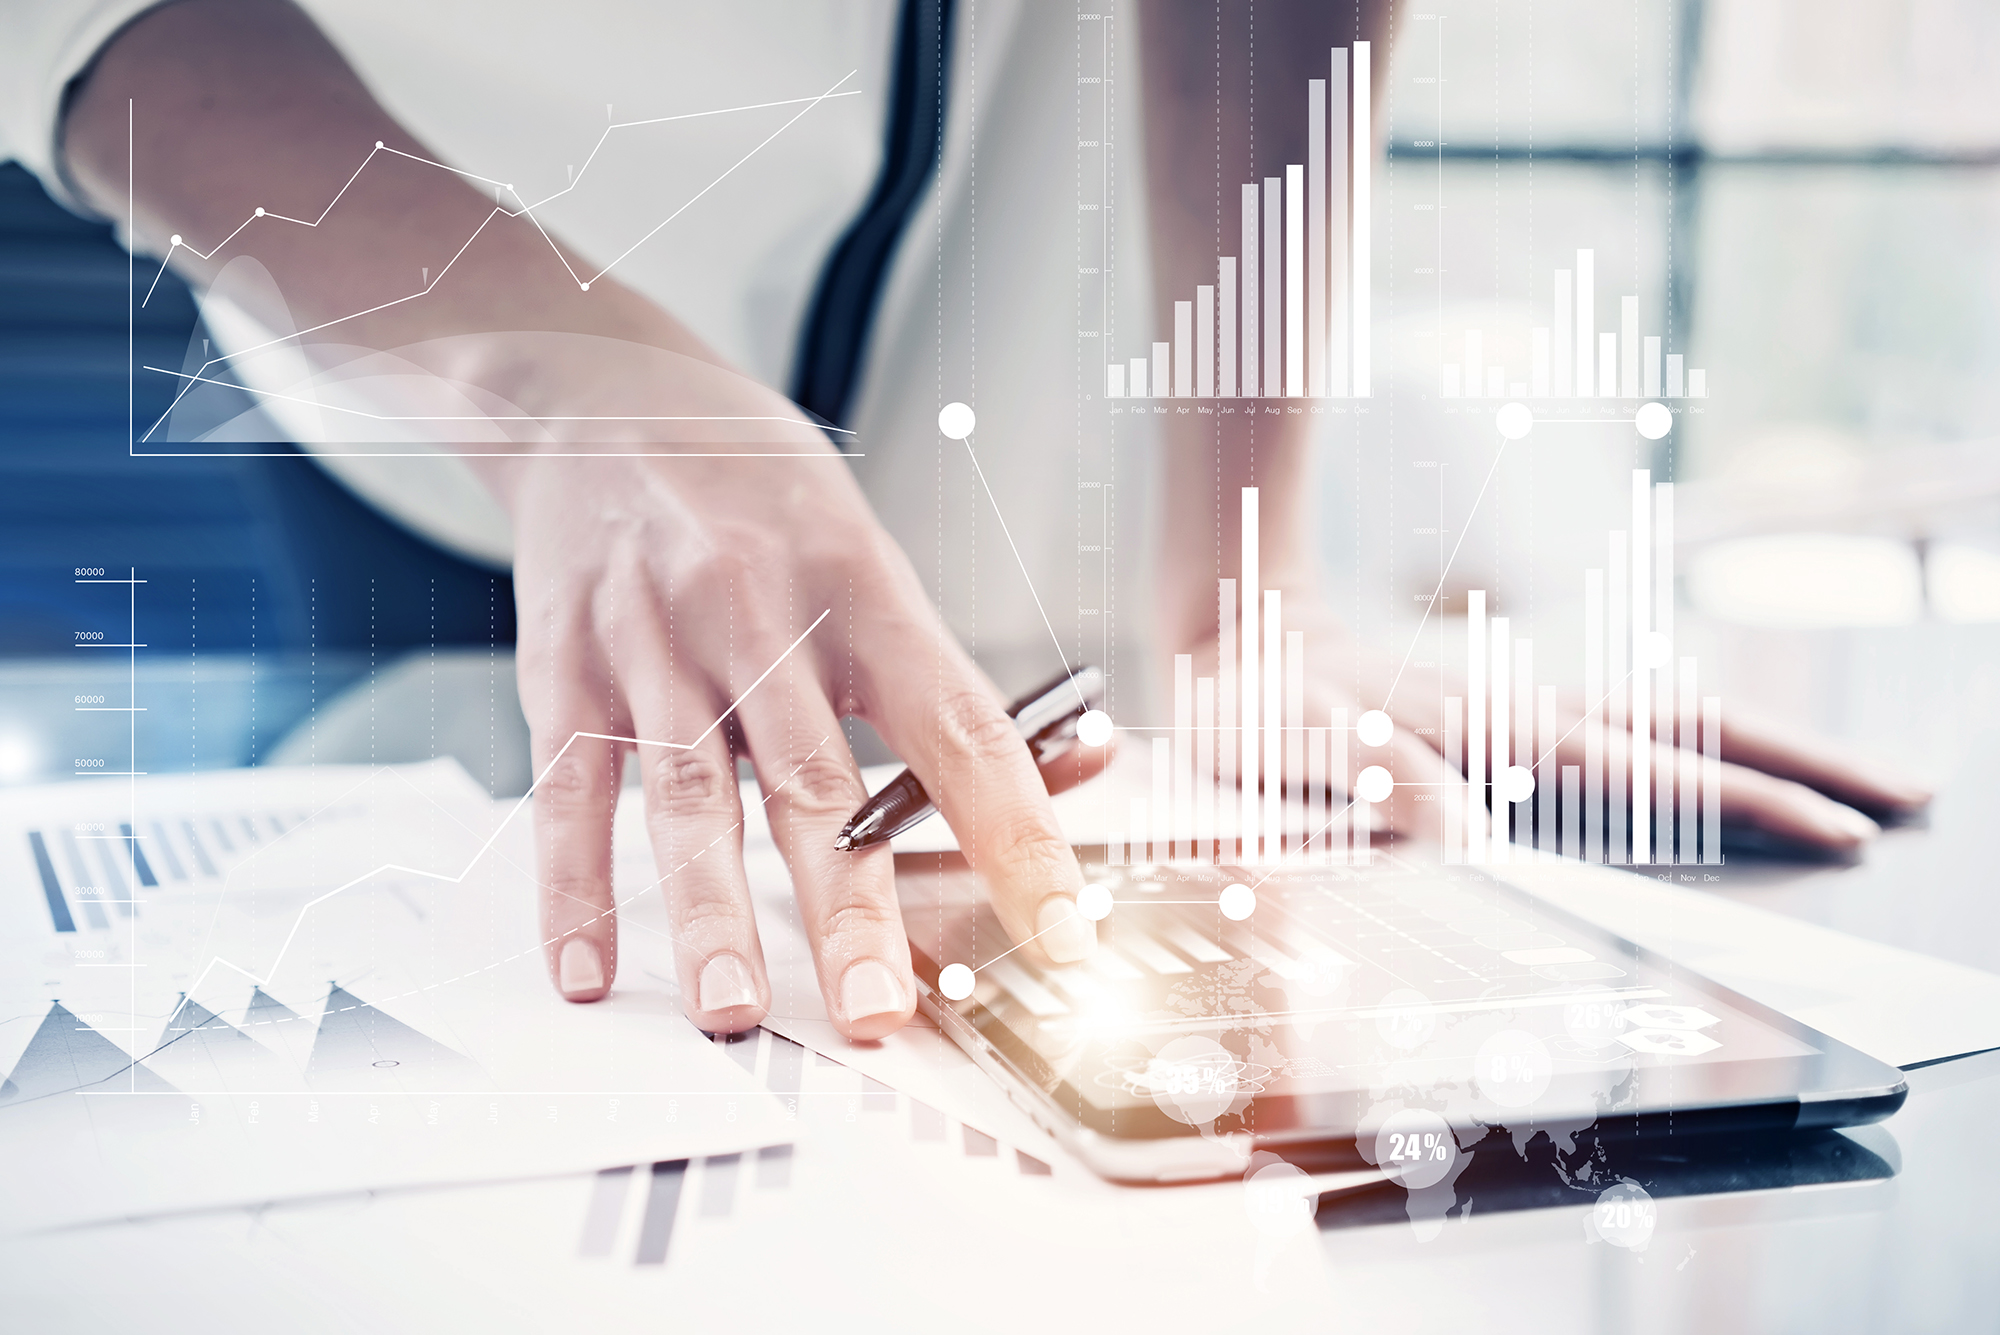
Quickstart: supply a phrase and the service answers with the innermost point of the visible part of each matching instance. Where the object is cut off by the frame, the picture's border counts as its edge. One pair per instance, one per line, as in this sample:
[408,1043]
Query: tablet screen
[1325,1000]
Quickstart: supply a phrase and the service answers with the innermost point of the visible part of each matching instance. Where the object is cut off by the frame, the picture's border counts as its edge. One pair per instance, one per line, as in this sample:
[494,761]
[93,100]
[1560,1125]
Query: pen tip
[843,842]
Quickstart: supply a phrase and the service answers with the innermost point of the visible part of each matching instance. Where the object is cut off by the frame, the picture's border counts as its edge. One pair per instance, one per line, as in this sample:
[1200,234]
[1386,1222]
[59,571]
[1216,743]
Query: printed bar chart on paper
[1288,316]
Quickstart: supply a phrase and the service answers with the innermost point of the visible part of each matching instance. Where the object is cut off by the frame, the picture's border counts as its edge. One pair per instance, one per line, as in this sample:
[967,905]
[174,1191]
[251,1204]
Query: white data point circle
[1094,902]
[1513,1068]
[1624,1216]
[1659,649]
[584,286]
[1238,902]
[1517,783]
[956,420]
[1653,420]
[955,981]
[1094,728]
[1515,420]
[1416,1148]
[1374,728]
[174,240]
[260,213]
[1374,784]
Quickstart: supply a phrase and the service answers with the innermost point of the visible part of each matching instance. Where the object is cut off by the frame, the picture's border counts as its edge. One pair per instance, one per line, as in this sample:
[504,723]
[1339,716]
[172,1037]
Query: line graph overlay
[527,210]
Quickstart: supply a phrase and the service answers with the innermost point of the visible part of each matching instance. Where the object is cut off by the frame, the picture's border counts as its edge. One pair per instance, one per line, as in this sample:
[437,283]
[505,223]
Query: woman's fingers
[1758,743]
[1778,806]
[565,694]
[694,818]
[943,717]
[846,900]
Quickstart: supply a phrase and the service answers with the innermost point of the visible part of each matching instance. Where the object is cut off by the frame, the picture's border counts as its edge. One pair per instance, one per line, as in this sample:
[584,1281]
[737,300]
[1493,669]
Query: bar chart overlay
[1288,315]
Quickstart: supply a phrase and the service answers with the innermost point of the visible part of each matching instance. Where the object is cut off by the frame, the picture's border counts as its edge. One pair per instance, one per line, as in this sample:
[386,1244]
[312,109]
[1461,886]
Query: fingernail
[579,969]
[726,982]
[869,989]
[1066,935]
[1847,823]
[1908,792]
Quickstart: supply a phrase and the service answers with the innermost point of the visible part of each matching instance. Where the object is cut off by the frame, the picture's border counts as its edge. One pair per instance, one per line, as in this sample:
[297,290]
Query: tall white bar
[1502,735]
[1628,347]
[1697,386]
[1454,793]
[1649,372]
[1295,281]
[1204,342]
[1184,349]
[1138,382]
[1252,276]
[1663,688]
[1295,738]
[1586,323]
[1183,775]
[1363,157]
[1593,716]
[1642,700]
[1274,287]
[1162,370]
[1246,688]
[1617,721]
[1204,769]
[1316,796]
[1226,800]
[1114,381]
[1524,737]
[1316,238]
[1475,363]
[1607,366]
[1162,809]
[1274,725]
[1136,829]
[1338,333]
[1475,724]
[1563,347]
[1711,779]
[1341,823]
[1545,768]
[1225,283]
[1571,799]
[1687,777]
[1538,364]
[1674,381]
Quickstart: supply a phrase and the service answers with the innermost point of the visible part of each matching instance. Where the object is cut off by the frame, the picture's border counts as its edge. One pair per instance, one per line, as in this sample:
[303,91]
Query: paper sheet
[365,1001]
[1895,1005]
[889,1215]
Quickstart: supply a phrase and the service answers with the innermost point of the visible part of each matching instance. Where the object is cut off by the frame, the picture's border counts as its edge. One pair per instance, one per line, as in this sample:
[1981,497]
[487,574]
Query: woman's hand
[656,591]
[710,606]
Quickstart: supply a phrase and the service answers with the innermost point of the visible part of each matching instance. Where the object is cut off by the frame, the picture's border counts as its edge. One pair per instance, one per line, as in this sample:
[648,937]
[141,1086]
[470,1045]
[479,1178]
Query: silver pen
[1046,718]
